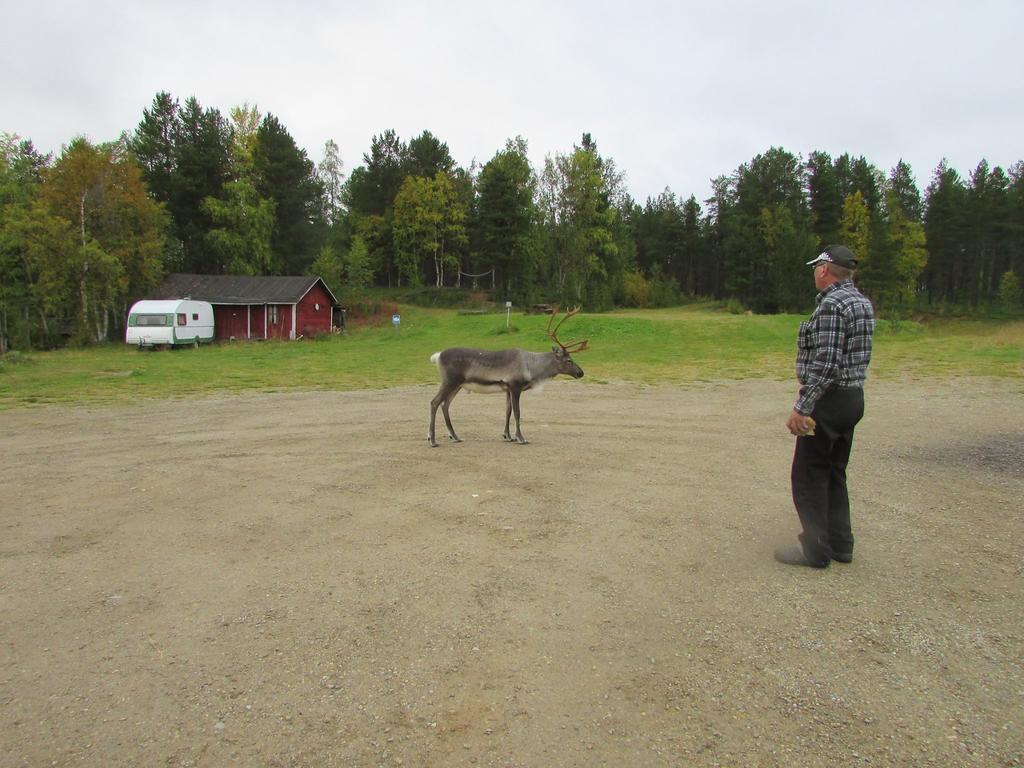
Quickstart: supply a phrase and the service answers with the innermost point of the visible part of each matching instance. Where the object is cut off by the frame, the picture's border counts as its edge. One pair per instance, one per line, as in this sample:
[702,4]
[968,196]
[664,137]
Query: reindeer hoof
[455,439]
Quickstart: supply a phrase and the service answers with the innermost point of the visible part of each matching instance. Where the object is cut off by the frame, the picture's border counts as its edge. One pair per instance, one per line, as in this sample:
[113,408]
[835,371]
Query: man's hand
[799,425]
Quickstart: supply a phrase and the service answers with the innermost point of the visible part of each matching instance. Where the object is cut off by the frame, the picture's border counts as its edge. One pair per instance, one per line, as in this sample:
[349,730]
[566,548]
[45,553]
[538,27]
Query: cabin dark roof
[237,289]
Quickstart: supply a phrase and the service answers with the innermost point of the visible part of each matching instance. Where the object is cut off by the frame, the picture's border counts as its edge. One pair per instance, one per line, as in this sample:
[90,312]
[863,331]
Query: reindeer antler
[572,346]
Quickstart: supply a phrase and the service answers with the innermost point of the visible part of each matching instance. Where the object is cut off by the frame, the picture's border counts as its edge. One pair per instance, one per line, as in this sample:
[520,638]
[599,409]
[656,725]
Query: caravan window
[152,319]
[182,319]
[195,315]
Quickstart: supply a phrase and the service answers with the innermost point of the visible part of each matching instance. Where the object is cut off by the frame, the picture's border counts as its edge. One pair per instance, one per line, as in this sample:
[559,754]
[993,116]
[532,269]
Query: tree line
[84,234]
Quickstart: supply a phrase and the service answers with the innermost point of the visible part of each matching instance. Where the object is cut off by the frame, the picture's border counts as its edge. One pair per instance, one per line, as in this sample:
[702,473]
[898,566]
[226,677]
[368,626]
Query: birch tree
[118,235]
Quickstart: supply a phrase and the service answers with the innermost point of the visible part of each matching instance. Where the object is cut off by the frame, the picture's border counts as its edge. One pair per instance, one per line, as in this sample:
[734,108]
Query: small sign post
[508,313]
[396,320]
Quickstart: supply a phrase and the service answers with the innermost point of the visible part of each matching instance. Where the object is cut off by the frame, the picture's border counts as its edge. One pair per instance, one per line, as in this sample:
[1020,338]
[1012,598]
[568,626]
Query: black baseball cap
[836,254]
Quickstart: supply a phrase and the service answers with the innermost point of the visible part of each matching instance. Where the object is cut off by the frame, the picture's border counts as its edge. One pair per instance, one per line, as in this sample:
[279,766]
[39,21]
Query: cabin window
[272,314]
[195,315]
[152,319]
[182,319]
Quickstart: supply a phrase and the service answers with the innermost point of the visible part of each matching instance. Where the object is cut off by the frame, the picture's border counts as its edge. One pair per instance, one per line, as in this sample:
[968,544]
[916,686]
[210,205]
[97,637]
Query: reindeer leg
[515,408]
[508,416]
[447,419]
[440,397]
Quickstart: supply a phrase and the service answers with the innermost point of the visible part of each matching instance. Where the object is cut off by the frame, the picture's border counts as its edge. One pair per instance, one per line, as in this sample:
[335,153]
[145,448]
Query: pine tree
[153,145]
[286,175]
[505,218]
[988,206]
[902,191]
[945,236]
[427,156]
[826,202]
[202,165]
[769,194]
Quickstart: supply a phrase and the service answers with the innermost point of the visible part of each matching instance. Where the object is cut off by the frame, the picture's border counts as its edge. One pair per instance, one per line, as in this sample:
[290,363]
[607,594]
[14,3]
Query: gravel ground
[297,579]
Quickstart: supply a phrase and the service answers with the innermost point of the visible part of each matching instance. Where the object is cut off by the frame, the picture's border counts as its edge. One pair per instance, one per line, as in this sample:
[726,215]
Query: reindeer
[512,371]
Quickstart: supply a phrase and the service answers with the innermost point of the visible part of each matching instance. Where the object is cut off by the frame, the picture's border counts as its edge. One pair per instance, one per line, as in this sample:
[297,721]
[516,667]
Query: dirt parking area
[297,579]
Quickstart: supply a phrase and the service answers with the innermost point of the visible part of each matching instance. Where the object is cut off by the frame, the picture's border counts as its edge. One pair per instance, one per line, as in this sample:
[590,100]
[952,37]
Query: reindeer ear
[556,349]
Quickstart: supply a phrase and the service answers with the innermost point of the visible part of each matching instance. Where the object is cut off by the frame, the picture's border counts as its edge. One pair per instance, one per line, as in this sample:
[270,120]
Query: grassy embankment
[655,347]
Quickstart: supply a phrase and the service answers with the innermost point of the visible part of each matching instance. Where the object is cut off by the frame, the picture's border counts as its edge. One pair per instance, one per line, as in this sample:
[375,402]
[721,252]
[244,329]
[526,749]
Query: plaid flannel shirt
[834,345]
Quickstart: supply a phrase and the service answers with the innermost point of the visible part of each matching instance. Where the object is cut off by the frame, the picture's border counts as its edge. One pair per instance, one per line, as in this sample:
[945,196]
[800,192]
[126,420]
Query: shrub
[598,297]
[370,311]
[735,307]
[636,290]
[446,298]
[664,292]
[12,359]
[1009,292]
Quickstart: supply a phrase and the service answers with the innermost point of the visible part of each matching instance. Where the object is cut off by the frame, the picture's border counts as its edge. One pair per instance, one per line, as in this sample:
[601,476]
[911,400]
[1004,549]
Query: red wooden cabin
[259,307]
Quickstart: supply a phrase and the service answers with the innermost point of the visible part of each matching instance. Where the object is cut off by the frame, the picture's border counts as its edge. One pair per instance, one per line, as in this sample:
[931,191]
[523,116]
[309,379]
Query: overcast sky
[675,92]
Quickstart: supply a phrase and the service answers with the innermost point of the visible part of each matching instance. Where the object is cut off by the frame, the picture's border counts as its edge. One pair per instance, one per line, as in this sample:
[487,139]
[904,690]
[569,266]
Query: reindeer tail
[435,358]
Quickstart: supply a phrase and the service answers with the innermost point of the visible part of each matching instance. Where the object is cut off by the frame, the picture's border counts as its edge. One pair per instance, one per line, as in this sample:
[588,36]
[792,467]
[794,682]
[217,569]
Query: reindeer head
[563,352]
[566,364]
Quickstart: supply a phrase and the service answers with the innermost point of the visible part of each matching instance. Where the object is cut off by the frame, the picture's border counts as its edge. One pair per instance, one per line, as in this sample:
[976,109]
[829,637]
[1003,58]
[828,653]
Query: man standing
[833,353]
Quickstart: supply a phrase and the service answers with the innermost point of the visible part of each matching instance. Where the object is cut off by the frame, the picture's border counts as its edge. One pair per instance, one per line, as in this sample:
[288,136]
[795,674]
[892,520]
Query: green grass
[953,347]
[695,343]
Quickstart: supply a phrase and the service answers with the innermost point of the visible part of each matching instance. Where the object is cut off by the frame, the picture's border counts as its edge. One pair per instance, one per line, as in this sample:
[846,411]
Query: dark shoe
[793,554]
[843,557]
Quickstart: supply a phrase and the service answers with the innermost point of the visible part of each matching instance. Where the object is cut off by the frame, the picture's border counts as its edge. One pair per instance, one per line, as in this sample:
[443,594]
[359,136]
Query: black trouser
[819,475]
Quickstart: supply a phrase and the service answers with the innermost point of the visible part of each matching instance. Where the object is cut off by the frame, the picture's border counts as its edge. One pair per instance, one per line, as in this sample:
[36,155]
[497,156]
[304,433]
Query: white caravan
[169,323]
